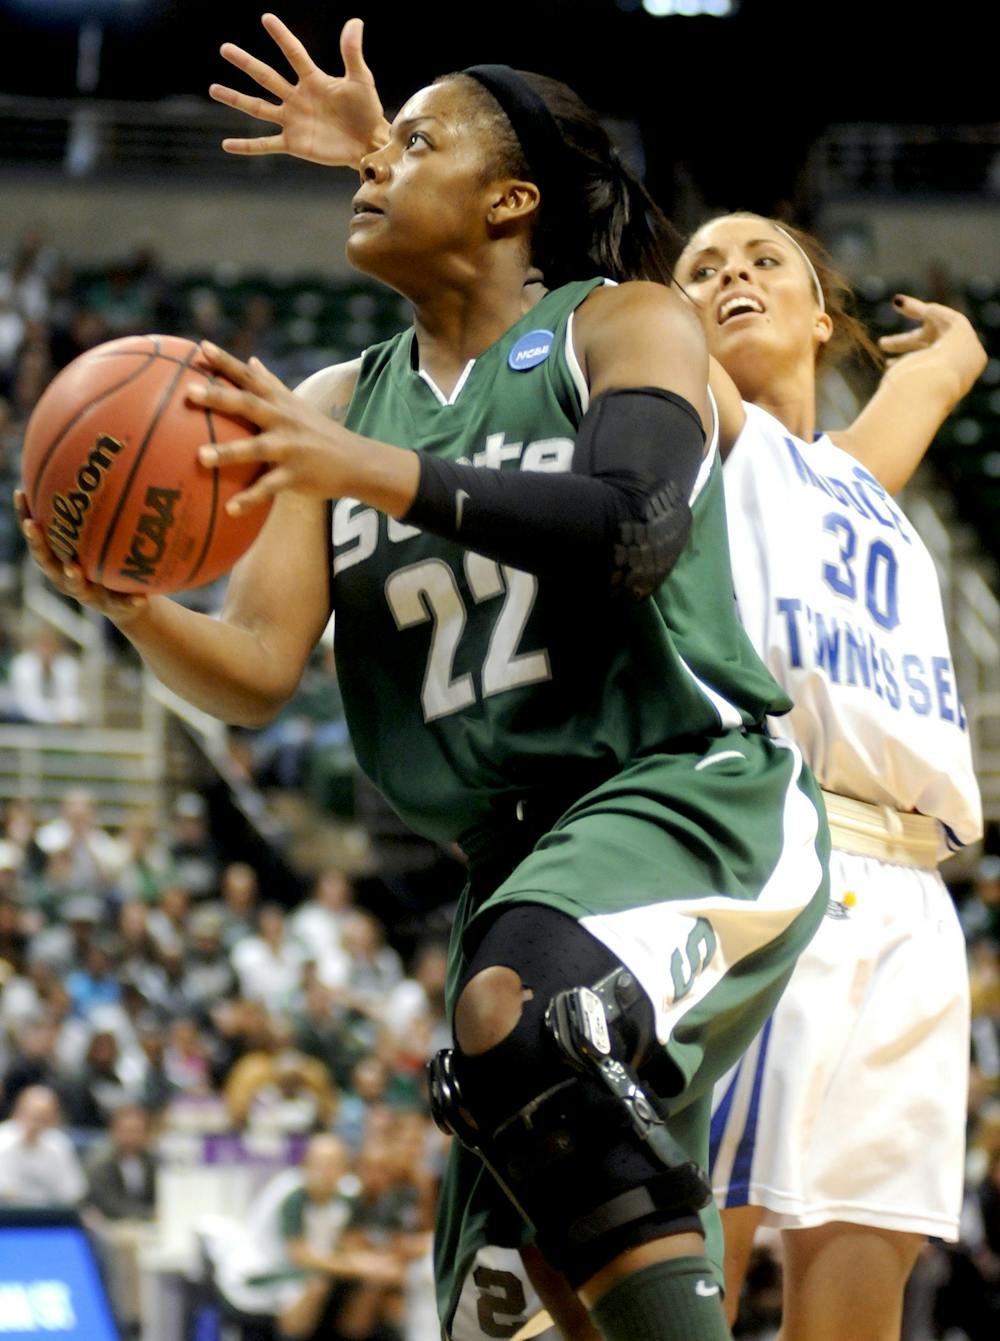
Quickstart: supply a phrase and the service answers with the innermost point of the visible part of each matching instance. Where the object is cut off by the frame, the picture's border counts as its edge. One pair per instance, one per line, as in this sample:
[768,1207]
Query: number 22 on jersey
[428,592]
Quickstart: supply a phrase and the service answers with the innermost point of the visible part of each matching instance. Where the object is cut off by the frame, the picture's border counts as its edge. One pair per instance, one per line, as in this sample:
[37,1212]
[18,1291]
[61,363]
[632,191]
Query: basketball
[111,473]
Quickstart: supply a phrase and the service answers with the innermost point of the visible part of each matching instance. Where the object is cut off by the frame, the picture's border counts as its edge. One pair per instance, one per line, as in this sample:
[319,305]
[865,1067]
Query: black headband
[534,125]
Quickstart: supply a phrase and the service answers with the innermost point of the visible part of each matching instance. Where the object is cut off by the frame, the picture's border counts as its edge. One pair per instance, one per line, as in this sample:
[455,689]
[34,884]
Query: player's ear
[822,327]
[511,201]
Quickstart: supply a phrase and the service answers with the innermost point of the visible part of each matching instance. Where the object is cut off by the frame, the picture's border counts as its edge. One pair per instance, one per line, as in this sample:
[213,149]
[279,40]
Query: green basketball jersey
[470,685]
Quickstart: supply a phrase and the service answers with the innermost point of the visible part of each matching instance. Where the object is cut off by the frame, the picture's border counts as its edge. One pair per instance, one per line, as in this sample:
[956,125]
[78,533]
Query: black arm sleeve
[619,519]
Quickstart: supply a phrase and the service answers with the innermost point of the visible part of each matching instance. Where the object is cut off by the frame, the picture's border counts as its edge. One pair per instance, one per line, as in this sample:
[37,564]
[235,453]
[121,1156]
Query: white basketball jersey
[841,600]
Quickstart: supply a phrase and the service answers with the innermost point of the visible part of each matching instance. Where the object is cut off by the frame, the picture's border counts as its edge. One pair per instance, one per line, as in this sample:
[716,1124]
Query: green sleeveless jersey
[470,685]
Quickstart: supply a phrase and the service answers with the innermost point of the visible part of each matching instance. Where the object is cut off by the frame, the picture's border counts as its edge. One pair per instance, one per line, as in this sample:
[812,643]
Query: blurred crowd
[151,990]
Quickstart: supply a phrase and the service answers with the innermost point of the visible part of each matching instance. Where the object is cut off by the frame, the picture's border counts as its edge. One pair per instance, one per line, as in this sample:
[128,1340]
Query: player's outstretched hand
[330,119]
[68,578]
[307,452]
[943,337]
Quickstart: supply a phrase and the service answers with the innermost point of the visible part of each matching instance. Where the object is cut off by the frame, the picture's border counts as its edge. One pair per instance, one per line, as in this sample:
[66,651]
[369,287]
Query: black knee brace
[584,1153]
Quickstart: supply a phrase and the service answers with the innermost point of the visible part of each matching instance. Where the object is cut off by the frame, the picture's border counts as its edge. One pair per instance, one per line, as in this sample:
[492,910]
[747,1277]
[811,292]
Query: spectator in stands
[38,1165]
[74,1031]
[239,1028]
[208,973]
[374,967]
[137,947]
[146,866]
[369,1080]
[96,982]
[120,299]
[391,1205]
[291,1101]
[92,1095]
[166,984]
[168,920]
[277,1086]
[45,682]
[54,887]
[19,827]
[32,375]
[121,1200]
[239,902]
[405,1058]
[206,317]
[269,964]
[96,855]
[155,1091]
[186,1060]
[292,1261]
[63,946]
[128,1019]
[21,996]
[194,856]
[32,1062]
[25,281]
[121,1176]
[332,1031]
[421,995]
[318,923]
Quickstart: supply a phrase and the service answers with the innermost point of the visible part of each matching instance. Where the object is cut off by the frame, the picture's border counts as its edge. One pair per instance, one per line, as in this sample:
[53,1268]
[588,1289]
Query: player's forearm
[216,665]
[917,393]
[894,430]
[617,520]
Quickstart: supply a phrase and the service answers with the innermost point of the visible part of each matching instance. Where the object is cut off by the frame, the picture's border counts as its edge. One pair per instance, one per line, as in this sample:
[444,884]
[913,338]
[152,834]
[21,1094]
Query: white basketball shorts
[850,1105]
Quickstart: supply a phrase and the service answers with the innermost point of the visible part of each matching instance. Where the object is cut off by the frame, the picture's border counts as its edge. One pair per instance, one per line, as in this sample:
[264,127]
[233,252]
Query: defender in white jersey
[845,1120]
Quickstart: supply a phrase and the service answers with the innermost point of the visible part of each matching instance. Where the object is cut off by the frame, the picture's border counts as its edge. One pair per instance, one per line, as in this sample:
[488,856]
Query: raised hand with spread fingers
[329,119]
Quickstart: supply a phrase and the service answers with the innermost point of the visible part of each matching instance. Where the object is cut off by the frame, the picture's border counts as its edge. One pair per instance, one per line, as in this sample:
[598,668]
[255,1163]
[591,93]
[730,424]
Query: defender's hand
[947,336]
[328,119]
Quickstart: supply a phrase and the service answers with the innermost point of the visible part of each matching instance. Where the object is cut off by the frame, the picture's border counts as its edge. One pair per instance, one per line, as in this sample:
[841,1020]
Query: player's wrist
[388,477]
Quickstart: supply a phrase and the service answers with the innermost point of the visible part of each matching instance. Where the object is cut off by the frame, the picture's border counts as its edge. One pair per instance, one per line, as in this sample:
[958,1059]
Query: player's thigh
[739,1226]
[829,1268]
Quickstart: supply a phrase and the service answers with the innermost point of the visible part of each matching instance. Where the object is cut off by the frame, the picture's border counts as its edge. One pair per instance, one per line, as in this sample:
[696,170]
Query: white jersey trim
[729,714]
[573,364]
[439,394]
[705,469]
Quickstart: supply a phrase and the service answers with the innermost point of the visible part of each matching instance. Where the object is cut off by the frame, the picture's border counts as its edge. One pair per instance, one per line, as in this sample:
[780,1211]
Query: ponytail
[596,216]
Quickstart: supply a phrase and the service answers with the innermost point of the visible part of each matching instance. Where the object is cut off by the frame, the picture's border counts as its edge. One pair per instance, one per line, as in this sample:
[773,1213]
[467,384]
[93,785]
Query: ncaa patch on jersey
[530,350]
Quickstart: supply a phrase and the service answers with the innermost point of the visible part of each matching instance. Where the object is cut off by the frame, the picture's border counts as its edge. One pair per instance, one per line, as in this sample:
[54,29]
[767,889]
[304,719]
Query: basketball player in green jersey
[541,660]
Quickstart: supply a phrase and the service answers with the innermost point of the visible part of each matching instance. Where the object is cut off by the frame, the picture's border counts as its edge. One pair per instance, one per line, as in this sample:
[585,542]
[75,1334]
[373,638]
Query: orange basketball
[111,472]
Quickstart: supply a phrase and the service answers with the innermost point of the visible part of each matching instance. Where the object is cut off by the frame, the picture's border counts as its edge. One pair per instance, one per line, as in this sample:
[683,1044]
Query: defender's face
[754,293]
[422,196]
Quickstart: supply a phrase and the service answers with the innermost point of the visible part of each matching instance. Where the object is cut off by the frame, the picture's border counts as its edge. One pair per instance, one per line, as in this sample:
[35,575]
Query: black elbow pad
[649,549]
[648,444]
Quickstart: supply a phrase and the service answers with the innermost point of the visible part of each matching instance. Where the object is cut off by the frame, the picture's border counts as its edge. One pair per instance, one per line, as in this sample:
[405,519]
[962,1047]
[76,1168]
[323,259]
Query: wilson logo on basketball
[69,510]
[150,538]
